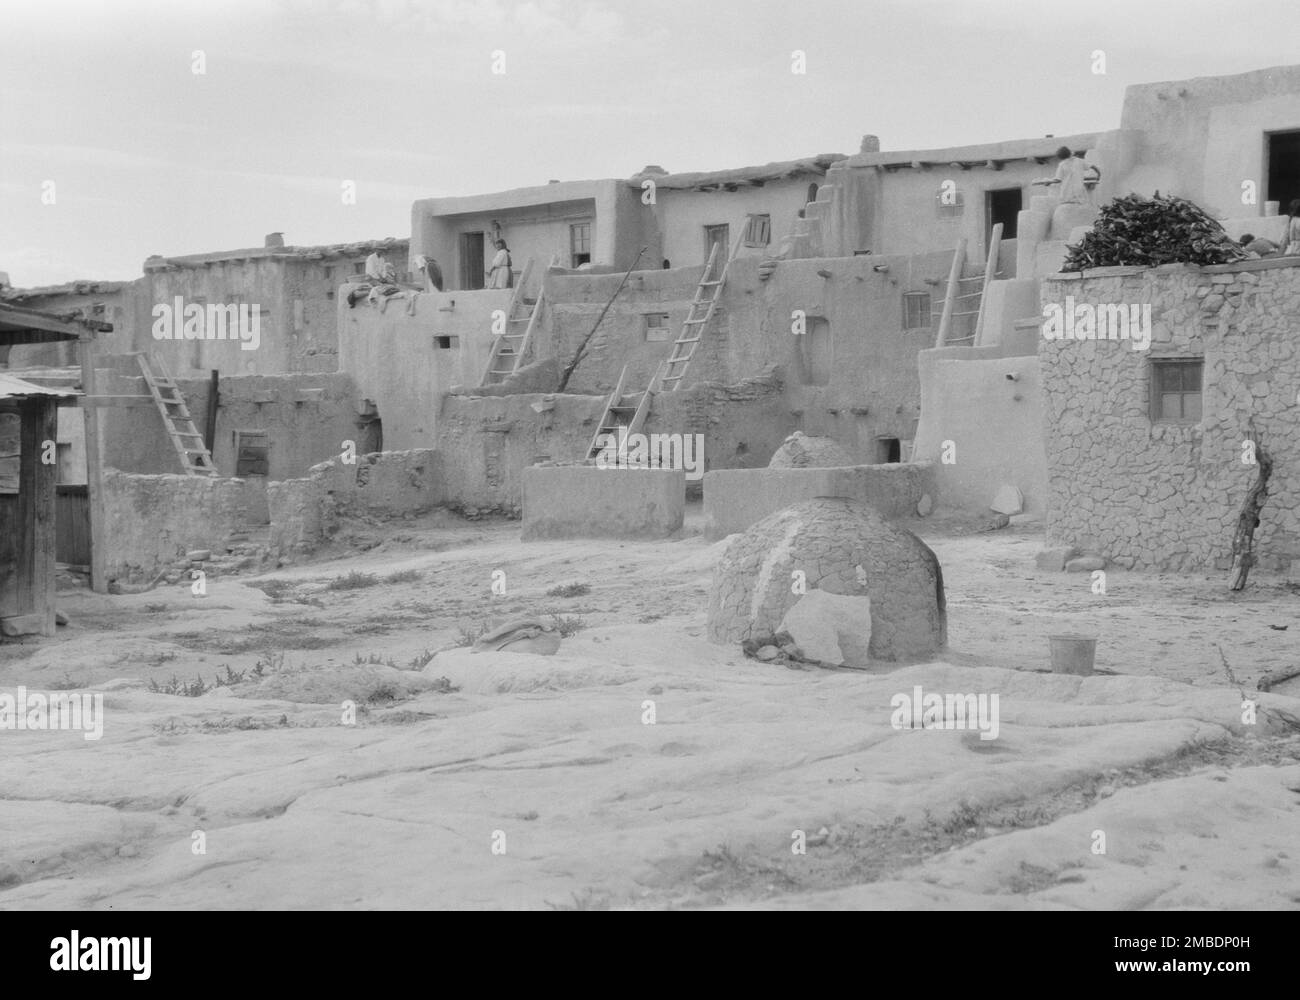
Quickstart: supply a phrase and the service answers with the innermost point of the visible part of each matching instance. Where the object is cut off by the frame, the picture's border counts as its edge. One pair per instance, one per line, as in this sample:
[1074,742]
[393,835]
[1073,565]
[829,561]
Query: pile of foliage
[1144,232]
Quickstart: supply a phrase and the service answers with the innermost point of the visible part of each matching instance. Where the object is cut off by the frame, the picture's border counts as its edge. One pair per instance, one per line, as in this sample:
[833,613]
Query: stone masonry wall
[1165,495]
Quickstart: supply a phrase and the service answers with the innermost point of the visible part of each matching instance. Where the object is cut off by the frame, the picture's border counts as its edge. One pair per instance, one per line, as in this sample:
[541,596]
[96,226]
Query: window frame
[1156,393]
[929,311]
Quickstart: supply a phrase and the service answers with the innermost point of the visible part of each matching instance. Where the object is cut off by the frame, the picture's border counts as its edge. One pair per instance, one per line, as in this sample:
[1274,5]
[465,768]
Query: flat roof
[19,325]
[362,248]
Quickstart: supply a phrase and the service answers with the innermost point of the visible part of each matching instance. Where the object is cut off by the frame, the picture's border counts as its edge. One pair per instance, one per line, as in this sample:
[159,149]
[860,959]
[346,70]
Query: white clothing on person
[1072,173]
[500,271]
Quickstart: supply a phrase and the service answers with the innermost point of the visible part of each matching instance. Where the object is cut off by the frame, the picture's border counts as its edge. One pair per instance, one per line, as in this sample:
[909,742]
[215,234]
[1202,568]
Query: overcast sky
[147,156]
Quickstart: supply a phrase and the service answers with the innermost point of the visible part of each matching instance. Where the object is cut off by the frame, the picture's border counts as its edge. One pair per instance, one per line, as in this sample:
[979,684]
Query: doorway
[1002,206]
[721,236]
[889,451]
[1283,168]
[472,261]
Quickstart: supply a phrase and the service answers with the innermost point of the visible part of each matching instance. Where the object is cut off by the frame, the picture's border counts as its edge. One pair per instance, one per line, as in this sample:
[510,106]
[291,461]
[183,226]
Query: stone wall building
[1149,453]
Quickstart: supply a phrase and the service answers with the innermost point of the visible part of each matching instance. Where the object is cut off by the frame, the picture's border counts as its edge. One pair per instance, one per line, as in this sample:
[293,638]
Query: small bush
[469,636]
[353,581]
[373,659]
[1145,232]
[178,687]
[403,576]
[567,625]
[569,590]
[231,678]
[421,660]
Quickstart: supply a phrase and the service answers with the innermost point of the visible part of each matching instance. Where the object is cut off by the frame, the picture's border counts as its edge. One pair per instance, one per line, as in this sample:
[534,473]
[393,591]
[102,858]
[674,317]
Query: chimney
[274,240]
[870,144]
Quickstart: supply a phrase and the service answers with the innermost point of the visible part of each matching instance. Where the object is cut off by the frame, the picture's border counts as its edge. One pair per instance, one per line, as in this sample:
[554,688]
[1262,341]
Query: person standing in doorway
[500,275]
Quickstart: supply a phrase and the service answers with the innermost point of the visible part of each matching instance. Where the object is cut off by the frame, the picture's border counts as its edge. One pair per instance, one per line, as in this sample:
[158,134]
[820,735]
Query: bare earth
[540,781]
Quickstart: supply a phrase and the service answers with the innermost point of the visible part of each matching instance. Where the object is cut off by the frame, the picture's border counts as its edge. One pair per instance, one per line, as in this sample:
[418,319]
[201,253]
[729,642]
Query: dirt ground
[509,780]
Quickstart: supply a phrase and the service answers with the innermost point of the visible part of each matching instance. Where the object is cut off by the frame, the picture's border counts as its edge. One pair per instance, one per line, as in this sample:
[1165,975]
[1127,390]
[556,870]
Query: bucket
[1073,654]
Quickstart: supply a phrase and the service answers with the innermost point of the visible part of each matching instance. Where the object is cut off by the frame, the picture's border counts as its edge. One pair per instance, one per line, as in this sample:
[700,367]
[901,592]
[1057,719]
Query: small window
[580,244]
[252,453]
[656,327]
[949,204]
[328,272]
[1176,390]
[916,310]
[888,451]
[446,343]
[758,230]
[359,267]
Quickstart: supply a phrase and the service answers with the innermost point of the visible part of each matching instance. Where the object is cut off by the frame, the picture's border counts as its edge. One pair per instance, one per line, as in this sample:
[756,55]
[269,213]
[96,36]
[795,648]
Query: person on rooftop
[1072,174]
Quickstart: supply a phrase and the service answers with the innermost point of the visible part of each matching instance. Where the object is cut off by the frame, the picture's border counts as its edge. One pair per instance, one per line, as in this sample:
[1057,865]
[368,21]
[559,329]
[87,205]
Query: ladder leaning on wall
[511,346]
[698,317]
[959,304]
[177,422]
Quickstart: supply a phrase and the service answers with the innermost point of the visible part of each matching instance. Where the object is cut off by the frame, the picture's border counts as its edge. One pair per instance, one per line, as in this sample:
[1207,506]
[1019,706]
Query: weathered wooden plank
[23,625]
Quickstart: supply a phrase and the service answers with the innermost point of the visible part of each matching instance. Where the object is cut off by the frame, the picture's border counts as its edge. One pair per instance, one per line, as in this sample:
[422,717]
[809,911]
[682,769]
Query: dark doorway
[472,261]
[720,235]
[1003,207]
[1283,168]
[888,451]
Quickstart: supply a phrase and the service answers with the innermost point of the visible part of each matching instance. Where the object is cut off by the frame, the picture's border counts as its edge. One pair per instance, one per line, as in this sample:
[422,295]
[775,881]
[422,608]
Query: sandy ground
[642,766]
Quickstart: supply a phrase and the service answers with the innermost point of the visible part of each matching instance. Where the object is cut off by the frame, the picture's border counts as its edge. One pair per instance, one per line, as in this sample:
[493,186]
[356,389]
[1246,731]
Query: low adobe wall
[736,498]
[582,501]
[151,521]
[307,512]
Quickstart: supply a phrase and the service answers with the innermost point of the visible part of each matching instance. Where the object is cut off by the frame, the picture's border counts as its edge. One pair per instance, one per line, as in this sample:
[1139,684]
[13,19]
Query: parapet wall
[1166,494]
[736,498]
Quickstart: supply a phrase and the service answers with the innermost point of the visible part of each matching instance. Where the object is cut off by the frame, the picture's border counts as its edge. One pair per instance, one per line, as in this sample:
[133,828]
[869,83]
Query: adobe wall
[681,215]
[736,499]
[307,512]
[151,521]
[1203,137]
[981,430]
[307,417]
[394,358]
[1167,495]
[586,502]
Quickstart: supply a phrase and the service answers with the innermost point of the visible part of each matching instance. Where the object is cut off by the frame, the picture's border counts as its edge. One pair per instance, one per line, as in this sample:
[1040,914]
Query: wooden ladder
[178,423]
[511,346]
[703,306]
[960,304]
[624,410]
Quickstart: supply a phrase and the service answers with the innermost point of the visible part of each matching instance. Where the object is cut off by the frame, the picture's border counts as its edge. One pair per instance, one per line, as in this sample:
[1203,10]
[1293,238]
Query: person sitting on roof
[1257,246]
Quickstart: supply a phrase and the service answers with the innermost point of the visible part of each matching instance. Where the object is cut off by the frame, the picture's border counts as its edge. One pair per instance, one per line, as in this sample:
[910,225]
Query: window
[656,327]
[446,343]
[252,453]
[916,310]
[10,451]
[758,230]
[579,244]
[888,451]
[1176,389]
[359,267]
[949,204]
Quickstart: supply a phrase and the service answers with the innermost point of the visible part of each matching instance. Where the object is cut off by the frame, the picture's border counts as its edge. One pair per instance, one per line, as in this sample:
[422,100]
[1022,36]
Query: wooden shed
[28,473]
[28,470]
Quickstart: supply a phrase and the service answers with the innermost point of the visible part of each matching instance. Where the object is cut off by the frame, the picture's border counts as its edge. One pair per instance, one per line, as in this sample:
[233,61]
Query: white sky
[398,95]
